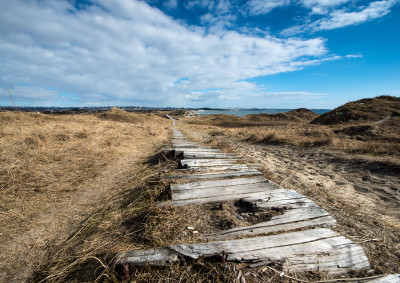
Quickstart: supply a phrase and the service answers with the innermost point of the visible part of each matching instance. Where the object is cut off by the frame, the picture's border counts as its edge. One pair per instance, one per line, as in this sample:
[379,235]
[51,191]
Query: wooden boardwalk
[300,238]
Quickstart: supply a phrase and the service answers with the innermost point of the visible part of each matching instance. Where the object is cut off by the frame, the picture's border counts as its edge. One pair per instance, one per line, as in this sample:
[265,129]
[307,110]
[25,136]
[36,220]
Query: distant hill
[371,119]
[301,114]
[368,109]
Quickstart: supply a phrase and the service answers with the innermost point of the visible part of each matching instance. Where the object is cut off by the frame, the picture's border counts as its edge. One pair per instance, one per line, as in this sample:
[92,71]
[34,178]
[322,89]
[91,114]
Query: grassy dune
[368,126]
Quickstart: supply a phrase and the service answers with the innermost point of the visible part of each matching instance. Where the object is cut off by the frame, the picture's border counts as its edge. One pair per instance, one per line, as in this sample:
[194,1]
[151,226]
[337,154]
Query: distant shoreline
[197,111]
[244,112]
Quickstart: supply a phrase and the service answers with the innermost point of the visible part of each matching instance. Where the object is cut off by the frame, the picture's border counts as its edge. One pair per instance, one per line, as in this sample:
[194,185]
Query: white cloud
[198,3]
[24,94]
[171,4]
[322,6]
[128,53]
[311,3]
[342,18]
[261,7]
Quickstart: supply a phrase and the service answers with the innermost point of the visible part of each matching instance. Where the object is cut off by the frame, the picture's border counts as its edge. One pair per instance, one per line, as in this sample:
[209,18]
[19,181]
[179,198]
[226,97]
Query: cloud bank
[124,52]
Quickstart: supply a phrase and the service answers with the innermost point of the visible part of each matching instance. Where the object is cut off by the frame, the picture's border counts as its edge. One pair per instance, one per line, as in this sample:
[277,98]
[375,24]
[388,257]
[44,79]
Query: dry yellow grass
[379,139]
[55,170]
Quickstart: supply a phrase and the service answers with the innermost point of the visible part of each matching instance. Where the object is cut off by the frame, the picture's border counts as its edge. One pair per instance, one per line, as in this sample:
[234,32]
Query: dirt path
[362,195]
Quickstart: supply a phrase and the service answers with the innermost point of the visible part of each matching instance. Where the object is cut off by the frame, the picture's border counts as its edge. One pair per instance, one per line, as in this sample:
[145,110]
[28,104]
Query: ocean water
[252,111]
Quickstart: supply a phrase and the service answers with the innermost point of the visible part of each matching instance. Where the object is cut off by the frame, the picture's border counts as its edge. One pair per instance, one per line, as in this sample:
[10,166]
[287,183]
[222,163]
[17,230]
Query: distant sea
[252,111]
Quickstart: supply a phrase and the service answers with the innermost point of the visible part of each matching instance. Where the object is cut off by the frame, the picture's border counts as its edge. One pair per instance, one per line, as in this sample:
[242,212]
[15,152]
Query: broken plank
[311,216]
[207,162]
[218,183]
[218,191]
[208,156]
[224,193]
[205,176]
[266,196]
[219,168]
[184,143]
[195,150]
[286,199]
[191,145]
[342,259]
[152,257]
[287,248]
[391,278]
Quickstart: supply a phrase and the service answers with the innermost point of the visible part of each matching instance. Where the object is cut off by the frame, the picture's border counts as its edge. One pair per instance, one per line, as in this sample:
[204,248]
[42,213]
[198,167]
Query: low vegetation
[57,176]
[369,126]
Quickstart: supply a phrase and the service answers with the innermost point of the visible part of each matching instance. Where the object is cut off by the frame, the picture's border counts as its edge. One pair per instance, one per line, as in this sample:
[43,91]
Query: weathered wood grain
[270,199]
[340,260]
[219,168]
[324,247]
[152,257]
[207,162]
[292,219]
[223,191]
[180,143]
[185,145]
[217,183]
[198,150]
[208,156]
[392,278]
[205,176]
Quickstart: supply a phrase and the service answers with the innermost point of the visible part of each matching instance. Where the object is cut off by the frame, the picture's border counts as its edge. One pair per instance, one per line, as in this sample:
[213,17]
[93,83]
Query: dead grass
[374,139]
[368,109]
[56,170]
[88,254]
[367,126]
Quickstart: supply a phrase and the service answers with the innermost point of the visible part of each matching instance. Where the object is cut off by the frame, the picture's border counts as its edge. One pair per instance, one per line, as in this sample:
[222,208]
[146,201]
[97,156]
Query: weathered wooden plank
[287,199]
[205,176]
[219,168]
[152,257]
[254,166]
[184,154]
[391,278]
[312,216]
[288,248]
[199,150]
[208,156]
[340,260]
[293,202]
[207,162]
[257,248]
[187,145]
[218,183]
[218,191]
[265,196]
[184,144]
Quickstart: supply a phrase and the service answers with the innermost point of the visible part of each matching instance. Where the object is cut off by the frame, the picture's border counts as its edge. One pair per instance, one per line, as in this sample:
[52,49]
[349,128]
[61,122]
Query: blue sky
[198,53]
